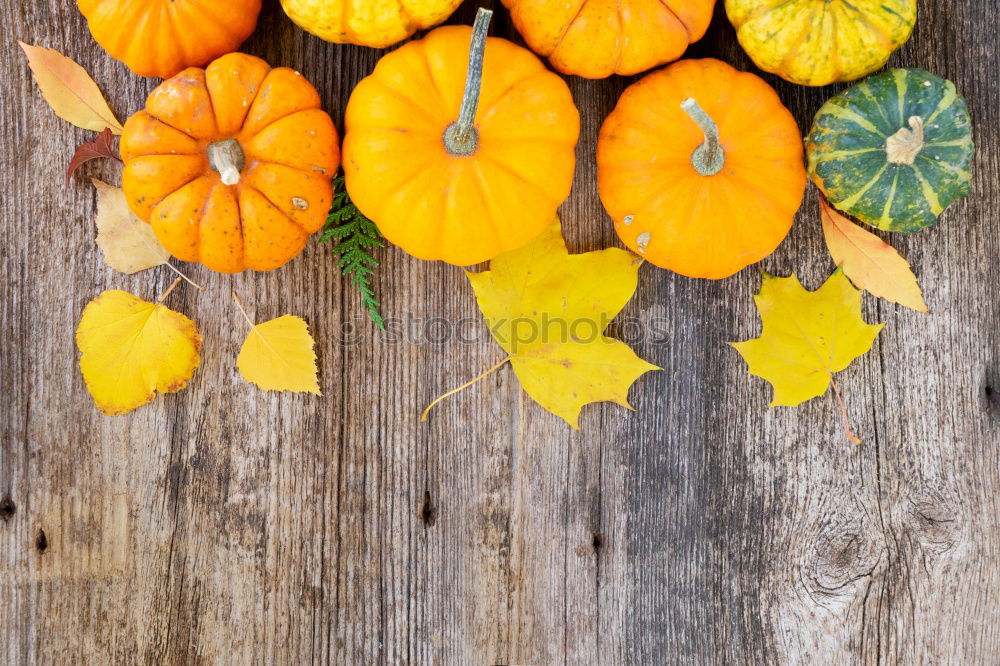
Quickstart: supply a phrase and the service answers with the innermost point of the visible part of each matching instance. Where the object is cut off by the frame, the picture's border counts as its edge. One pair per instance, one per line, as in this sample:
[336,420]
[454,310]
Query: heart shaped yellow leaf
[132,348]
[129,244]
[869,262]
[807,336]
[278,356]
[549,309]
[69,90]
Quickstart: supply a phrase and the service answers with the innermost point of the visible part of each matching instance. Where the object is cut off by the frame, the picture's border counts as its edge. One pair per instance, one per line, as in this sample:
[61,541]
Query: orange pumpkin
[598,38]
[458,161]
[158,38]
[232,164]
[700,167]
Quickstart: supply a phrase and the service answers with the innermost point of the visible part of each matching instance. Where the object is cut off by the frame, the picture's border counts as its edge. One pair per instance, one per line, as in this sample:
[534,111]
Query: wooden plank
[221,524]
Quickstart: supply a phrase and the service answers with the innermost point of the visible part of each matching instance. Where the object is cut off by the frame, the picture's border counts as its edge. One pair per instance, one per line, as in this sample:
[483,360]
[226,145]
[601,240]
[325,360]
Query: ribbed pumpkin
[700,167]
[459,158]
[160,38]
[894,150]
[598,38]
[377,23]
[232,165]
[816,42]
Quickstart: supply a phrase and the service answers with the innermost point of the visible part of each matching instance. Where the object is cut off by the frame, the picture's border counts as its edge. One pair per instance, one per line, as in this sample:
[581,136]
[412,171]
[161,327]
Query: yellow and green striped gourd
[894,150]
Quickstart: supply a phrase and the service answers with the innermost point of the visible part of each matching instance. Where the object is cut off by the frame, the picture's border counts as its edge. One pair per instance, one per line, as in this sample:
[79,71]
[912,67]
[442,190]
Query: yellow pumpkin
[377,23]
[459,153]
[597,38]
[816,42]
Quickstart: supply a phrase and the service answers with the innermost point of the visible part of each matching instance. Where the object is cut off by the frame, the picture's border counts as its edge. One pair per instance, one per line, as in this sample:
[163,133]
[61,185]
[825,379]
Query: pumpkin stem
[226,157]
[461,138]
[708,158]
[904,146]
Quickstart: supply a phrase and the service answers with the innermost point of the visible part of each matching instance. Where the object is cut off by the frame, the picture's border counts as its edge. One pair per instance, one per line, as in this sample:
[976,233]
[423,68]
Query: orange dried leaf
[69,90]
[870,263]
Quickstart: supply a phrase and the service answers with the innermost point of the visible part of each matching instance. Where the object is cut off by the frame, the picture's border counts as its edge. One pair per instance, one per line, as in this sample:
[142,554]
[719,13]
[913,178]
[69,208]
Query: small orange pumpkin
[457,161]
[700,167]
[598,38]
[158,38]
[232,164]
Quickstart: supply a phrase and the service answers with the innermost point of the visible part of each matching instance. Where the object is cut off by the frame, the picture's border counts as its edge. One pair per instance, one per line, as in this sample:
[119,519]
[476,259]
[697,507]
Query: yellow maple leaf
[278,355]
[69,90]
[131,348]
[807,336]
[129,244]
[549,309]
[869,262]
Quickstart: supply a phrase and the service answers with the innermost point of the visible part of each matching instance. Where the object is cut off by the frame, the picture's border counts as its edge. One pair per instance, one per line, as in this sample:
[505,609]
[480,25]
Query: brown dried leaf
[92,150]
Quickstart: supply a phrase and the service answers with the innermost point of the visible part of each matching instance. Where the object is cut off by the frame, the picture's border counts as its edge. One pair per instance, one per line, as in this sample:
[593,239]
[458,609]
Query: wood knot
[7,508]
[843,555]
[991,394]
[935,524]
[41,542]
[426,511]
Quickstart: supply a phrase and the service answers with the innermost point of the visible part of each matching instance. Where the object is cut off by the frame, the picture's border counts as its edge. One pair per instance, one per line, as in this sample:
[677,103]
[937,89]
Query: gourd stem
[708,158]
[461,137]
[904,146]
[226,157]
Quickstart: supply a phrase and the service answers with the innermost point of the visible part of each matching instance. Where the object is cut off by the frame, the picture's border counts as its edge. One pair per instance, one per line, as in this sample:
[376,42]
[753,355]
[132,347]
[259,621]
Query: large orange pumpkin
[448,169]
[160,38]
[700,167]
[232,164]
[598,38]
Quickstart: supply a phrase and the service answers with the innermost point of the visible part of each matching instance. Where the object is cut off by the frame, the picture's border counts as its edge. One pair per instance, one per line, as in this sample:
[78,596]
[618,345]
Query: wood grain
[224,525]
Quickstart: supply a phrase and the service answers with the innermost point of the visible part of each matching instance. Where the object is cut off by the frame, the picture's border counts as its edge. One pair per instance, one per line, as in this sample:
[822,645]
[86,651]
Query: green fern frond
[354,236]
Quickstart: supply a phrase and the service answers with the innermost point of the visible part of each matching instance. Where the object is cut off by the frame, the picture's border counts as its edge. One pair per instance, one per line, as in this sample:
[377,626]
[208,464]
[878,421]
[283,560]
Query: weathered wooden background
[224,525]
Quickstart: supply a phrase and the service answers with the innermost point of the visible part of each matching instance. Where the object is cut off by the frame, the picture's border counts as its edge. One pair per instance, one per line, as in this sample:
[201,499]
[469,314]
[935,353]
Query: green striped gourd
[894,150]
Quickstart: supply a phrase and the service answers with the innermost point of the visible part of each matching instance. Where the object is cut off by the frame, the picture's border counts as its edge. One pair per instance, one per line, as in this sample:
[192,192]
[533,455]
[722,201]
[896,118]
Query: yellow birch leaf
[130,349]
[69,90]
[278,355]
[869,262]
[807,336]
[549,309]
[129,244]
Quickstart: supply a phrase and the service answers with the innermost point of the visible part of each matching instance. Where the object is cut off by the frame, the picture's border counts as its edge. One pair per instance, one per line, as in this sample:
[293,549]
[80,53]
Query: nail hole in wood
[427,511]
[41,543]
[7,508]
[596,541]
